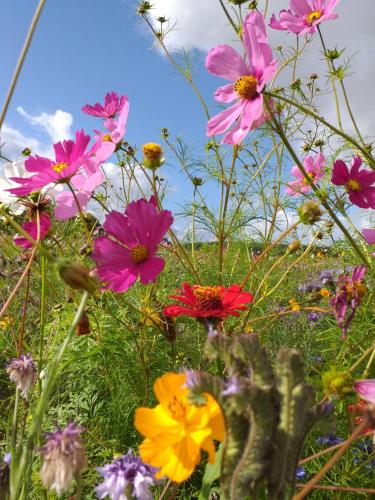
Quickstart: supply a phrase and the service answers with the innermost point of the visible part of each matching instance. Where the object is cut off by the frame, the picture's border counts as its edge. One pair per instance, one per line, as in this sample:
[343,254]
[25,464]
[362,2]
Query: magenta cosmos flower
[366,390]
[69,157]
[31,228]
[113,105]
[349,293]
[358,183]
[129,249]
[248,81]
[304,16]
[314,168]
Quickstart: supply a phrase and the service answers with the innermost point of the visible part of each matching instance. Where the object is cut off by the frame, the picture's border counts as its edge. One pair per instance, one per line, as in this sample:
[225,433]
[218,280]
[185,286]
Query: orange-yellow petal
[151,422]
[169,385]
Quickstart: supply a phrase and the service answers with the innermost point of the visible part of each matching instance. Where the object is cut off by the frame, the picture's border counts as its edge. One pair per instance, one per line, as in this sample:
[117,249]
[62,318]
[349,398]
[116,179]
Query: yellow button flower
[176,430]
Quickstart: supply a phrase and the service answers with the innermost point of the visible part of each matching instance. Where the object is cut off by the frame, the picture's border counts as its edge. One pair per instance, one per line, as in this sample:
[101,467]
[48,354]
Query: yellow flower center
[311,177]
[152,150]
[313,16]
[139,254]
[208,296]
[354,185]
[59,167]
[107,138]
[246,86]
[324,292]
[178,409]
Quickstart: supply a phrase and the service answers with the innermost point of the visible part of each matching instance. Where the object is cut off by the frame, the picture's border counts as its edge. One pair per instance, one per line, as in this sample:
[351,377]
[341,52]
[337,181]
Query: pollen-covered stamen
[139,254]
[177,408]
[59,167]
[209,296]
[315,15]
[246,86]
[107,138]
[353,185]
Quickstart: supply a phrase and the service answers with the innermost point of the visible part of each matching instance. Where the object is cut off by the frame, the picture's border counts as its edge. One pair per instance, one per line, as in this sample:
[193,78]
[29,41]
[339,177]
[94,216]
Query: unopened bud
[197,181]
[76,276]
[152,155]
[295,245]
[83,327]
[314,76]
[310,212]
[339,383]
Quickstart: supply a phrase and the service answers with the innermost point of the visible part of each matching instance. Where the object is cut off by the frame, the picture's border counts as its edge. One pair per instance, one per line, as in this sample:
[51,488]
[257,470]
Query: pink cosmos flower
[248,80]
[113,105]
[303,16]
[84,186]
[31,227]
[358,183]
[369,236]
[315,169]
[349,293]
[129,249]
[69,157]
[366,390]
[108,143]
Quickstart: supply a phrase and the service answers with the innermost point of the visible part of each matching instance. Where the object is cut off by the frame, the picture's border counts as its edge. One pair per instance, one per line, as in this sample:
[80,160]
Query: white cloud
[57,125]
[13,142]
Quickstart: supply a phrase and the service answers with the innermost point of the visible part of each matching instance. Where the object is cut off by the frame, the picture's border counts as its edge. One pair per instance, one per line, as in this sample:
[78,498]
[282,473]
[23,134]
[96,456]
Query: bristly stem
[21,60]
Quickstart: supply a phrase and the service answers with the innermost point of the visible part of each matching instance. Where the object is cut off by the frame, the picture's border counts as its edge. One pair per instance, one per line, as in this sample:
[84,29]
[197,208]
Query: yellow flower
[294,305]
[324,293]
[176,430]
[6,321]
[152,155]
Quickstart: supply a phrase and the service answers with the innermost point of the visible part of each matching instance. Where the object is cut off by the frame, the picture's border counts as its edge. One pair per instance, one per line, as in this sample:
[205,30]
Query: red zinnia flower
[209,301]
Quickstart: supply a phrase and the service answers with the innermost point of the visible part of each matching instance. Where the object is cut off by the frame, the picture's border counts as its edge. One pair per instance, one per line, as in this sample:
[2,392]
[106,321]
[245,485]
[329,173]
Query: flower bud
[152,155]
[76,276]
[144,7]
[295,245]
[197,181]
[337,382]
[83,327]
[310,212]
[314,76]
[26,152]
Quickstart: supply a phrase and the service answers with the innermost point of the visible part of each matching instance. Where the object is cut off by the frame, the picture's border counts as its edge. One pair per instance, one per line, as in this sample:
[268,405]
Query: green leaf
[211,473]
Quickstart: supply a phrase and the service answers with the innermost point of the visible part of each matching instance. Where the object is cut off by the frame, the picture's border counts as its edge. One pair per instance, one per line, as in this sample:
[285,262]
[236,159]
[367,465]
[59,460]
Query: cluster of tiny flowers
[22,372]
[126,477]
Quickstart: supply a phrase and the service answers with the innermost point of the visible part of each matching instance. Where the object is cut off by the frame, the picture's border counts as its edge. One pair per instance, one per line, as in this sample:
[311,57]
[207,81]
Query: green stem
[314,115]
[13,441]
[83,220]
[44,399]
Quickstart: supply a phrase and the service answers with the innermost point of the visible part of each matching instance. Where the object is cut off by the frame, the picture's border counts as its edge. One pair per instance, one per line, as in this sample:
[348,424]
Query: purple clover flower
[63,457]
[22,372]
[362,453]
[301,473]
[125,478]
[232,386]
[313,316]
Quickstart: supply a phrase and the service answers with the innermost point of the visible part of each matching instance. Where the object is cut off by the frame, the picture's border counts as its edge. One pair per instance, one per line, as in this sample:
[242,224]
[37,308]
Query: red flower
[209,301]
[359,409]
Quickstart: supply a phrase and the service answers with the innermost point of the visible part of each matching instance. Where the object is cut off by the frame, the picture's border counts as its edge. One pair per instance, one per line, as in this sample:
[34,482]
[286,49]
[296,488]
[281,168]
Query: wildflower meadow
[221,346]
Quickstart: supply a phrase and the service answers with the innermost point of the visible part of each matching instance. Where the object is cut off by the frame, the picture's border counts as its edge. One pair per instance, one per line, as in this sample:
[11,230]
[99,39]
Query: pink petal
[340,173]
[301,7]
[369,236]
[226,93]
[366,389]
[221,122]
[66,205]
[150,270]
[225,62]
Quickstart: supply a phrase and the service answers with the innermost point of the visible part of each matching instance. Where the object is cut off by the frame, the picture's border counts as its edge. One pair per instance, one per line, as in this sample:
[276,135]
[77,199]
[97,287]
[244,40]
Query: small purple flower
[63,457]
[193,378]
[310,286]
[329,440]
[362,453]
[301,473]
[7,458]
[318,360]
[349,293]
[22,372]
[232,386]
[125,478]
[313,316]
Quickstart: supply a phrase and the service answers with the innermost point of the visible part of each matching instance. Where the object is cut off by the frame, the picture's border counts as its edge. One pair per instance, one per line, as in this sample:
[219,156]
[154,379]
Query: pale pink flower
[113,105]
[84,184]
[314,168]
[358,183]
[366,389]
[69,157]
[304,16]
[31,227]
[369,236]
[249,80]
[129,249]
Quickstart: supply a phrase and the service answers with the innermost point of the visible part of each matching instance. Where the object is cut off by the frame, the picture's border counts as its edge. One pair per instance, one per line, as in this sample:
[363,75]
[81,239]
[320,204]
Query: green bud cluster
[267,416]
